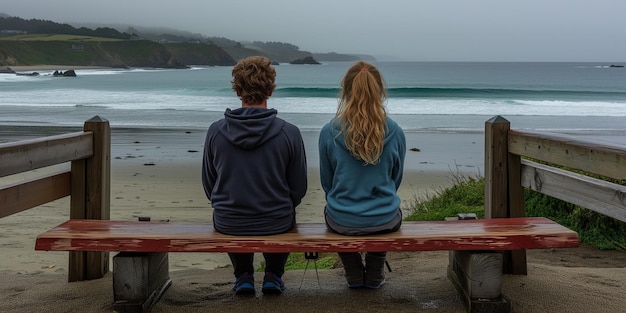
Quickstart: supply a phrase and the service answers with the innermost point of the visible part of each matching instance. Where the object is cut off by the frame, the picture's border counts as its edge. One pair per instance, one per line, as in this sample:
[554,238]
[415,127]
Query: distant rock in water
[68,73]
[27,74]
[305,60]
[6,70]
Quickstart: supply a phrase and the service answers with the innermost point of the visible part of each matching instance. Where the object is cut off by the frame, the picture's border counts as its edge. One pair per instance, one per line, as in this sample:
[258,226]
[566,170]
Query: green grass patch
[467,196]
[297,261]
[593,228]
[109,52]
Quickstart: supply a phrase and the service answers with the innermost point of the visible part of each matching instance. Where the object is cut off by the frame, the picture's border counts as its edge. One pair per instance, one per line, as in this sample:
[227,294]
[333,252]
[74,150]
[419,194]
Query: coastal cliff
[41,42]
[199,54]
[126,53]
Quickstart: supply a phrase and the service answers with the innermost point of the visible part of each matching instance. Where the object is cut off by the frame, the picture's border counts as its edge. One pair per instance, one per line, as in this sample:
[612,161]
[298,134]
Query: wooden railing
[508,171]
[87,182]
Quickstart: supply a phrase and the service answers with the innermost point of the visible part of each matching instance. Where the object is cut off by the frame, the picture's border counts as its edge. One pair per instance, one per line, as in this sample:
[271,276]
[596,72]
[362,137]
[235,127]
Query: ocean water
[577,98]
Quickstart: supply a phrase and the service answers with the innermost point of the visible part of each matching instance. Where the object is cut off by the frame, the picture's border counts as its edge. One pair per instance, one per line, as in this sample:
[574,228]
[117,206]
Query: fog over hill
[427,30]
[277,51]
[155,33]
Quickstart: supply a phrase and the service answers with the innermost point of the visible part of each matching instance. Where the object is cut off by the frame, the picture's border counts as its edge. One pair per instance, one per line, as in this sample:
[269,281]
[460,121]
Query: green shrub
[593,228]
[467,196]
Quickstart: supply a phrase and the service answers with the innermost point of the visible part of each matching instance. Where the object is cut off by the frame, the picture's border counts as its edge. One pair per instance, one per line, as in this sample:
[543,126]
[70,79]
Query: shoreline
[50,67]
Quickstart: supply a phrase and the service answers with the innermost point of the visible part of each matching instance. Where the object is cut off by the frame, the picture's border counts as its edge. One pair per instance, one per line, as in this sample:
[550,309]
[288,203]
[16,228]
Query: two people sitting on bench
[362,154]
[254,172]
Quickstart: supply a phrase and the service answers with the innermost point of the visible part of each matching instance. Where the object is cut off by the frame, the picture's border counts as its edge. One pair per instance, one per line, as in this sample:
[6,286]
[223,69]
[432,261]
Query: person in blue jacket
[254,172]
[362,154]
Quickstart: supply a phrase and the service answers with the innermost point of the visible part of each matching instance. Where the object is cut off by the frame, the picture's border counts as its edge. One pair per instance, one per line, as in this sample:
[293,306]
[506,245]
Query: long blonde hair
[361,111]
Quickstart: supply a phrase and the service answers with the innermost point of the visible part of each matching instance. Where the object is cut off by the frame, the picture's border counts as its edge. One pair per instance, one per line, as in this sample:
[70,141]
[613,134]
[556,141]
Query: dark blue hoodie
[254,172]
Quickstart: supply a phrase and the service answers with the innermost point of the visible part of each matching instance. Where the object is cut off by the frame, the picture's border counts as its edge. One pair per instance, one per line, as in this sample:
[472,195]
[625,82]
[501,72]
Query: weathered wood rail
[508,171]
[87,182]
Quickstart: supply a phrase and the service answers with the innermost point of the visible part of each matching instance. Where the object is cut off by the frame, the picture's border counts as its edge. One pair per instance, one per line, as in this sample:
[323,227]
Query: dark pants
[244,263]
[378,254]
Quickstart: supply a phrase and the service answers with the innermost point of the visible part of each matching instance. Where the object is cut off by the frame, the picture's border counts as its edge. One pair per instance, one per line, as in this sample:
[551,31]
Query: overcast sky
[421,30]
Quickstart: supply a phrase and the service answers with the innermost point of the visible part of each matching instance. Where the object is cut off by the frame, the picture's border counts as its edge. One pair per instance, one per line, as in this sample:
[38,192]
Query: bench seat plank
[134,236]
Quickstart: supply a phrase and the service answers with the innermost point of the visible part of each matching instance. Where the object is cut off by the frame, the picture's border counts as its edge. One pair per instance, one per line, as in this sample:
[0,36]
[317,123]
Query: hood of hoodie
[249,128]
[335,128]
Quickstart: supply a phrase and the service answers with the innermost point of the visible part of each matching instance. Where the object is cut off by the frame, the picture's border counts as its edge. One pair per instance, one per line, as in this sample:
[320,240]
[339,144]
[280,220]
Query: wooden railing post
[91,198]
[503,194]
[496,180]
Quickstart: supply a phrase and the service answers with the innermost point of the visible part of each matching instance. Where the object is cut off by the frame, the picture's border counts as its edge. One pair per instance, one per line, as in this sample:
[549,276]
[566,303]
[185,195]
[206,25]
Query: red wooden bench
[132,236]
[147,244]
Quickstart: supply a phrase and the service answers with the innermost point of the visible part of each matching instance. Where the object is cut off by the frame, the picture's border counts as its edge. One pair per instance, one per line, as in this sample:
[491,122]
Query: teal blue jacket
[359,195]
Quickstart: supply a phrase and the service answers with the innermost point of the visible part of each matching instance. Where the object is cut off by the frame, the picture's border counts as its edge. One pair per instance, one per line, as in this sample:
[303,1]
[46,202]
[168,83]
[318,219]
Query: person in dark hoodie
[254,172]
[362,154]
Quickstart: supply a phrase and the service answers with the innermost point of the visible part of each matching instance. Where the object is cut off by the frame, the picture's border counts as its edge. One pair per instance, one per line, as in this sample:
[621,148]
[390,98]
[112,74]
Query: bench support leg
[139,280]
[477,275]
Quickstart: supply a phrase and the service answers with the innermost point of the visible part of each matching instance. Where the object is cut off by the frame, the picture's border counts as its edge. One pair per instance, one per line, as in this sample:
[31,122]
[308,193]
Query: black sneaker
[375,285]
[244,284]
[272,284]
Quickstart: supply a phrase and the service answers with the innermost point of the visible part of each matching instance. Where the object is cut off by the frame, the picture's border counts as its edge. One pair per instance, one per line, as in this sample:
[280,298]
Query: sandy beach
[156,173]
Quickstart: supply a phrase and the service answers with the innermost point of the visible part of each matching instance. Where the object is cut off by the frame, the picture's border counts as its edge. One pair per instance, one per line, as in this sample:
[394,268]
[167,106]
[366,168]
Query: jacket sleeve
[209,173]
[326,169]
[297,169]
[398,167]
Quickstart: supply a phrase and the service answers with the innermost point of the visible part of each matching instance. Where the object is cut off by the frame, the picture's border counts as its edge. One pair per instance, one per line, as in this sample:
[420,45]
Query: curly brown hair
[254,79]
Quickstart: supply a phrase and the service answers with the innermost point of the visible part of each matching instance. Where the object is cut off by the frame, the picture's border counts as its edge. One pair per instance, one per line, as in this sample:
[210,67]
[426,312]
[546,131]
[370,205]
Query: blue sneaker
[272,284]
[244,284]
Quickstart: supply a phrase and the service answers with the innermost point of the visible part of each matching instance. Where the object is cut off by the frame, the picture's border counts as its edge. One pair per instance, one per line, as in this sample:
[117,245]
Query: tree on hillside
[224,42]
[108,32]
[275,45]
[35,26]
